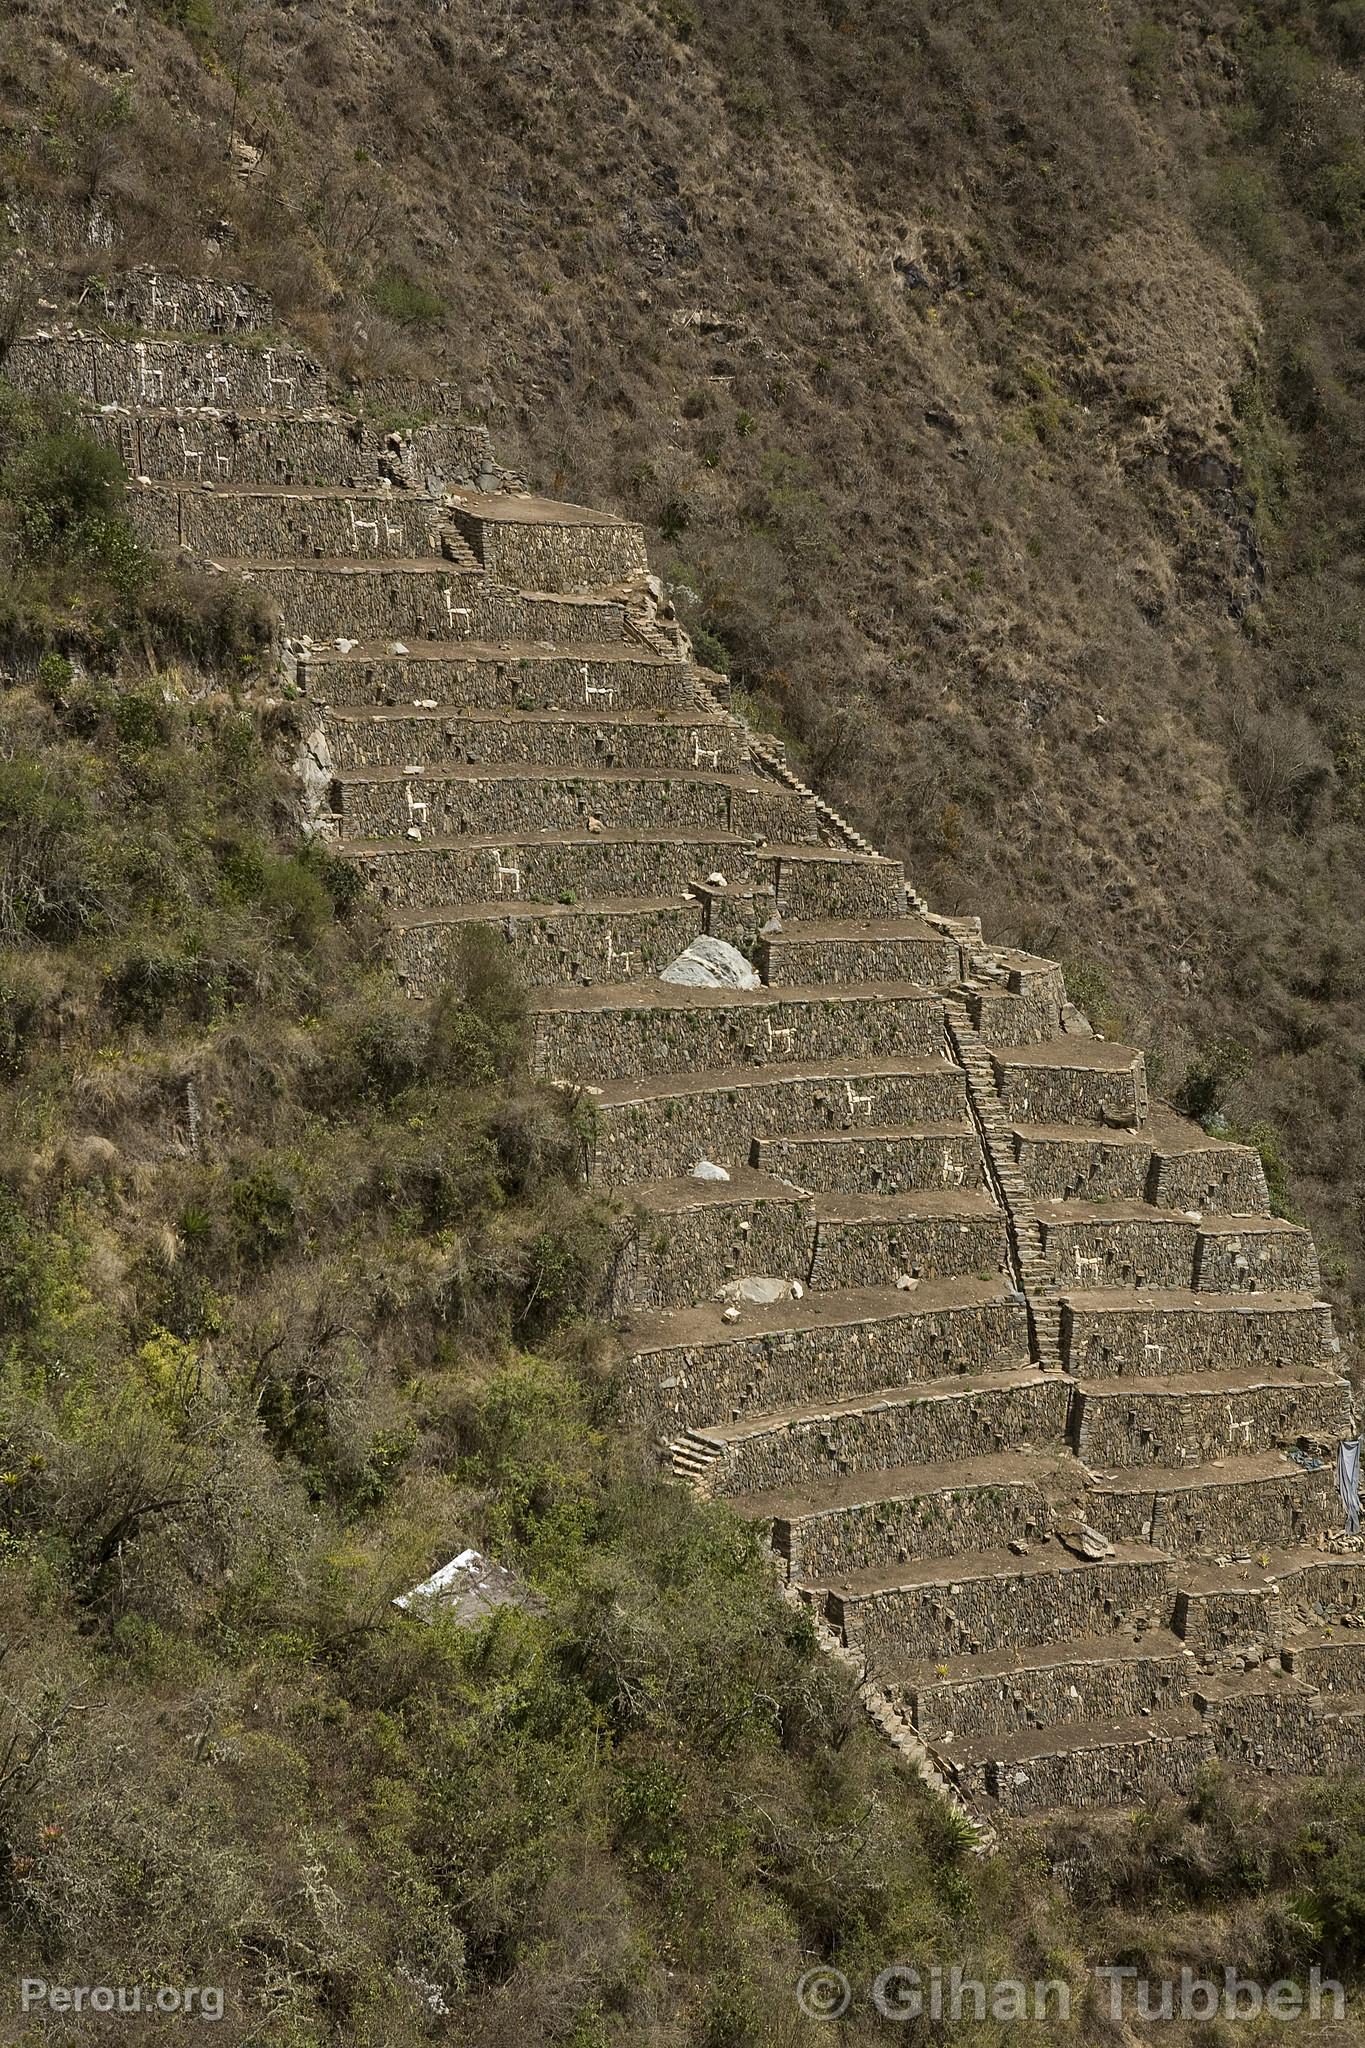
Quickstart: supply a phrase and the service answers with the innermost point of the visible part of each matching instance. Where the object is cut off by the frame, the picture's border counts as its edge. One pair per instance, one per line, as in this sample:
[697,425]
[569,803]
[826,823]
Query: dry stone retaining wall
[875,1252]
[929,1425]
[1330,1666]
[516,871]
[1120,1251]
[487,801]
[584,947]
[1153,1339]
[209,522]
[1256,1254]
[550,556]
[930,961]
[660,1038]
[1124,1771]
[1052,1092]
[1218,1519]
[831,884]
[1141,1424]
[378,603]
[521,682]
[663,1134]
[1100,1687]
[665,741]
[148,298]
[889,1532]
[674,1259]
[230,376]
[941,1158]
[1003,1608]
[683,1383]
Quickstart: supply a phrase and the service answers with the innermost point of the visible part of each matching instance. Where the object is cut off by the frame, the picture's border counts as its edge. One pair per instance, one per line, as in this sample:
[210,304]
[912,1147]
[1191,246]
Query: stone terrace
[1034,1399]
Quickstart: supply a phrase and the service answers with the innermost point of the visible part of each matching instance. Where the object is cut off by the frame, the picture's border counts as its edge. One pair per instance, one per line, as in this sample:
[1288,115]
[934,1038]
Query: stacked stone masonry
[1036,1401]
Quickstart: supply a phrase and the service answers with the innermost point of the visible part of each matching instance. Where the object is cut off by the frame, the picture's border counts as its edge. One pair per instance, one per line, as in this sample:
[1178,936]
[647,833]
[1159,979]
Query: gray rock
[706,1169]
[711,963]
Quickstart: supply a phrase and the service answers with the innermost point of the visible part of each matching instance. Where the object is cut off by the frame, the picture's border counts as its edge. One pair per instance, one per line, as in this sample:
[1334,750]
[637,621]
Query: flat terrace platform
[816,1310]
[1059,1476]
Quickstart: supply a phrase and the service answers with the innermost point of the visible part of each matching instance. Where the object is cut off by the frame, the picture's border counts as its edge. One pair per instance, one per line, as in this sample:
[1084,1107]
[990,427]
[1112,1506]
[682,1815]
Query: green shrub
[1210,1077]
[710,651]
[264,1210]
[61,485]
[405,303]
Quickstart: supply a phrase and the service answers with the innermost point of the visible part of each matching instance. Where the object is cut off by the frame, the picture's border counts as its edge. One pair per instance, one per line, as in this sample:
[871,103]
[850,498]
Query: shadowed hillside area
[989,380]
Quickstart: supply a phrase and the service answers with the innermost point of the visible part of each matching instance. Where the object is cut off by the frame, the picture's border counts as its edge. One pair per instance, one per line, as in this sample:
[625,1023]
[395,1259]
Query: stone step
[231,376]
[1183,1419]
[420,599]
[456,678]
[1106,1763]
[550,945]
[214,520]
[1169,1164]
[849,949]
[1262,1501]
[452,798]
[1143,1333]
[666,1124]
[688,1236]
[871,1520]
[824,882]
[876,1240]
[970,1416]
[177,308]
[200,445]
[959,1700]
[456,549]
[541,867]
[1070,1081]
[1232,1613]
[313,446]
[1255,1254]
[696,1366]
[593,1035]
[391,737]
[978,1600]
[872,1160]
[1118,1244]
[1022,1005]
[1268,1720]
[1326,1660]
[683,1239]
[692,1459]
[532,543]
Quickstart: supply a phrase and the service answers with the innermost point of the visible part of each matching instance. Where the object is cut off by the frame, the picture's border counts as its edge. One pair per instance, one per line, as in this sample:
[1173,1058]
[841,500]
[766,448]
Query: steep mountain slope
[660,251]
[988,374]
[324,1222]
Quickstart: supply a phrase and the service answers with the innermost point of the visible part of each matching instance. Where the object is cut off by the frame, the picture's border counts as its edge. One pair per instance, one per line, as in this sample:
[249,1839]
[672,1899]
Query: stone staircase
[1035,1401]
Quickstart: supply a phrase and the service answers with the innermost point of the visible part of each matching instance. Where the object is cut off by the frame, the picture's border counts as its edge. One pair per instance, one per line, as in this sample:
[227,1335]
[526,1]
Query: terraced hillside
[1038,1400]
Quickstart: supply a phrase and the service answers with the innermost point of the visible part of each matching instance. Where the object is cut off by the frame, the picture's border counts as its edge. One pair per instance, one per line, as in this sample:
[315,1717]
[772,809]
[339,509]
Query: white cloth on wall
[1348,1482]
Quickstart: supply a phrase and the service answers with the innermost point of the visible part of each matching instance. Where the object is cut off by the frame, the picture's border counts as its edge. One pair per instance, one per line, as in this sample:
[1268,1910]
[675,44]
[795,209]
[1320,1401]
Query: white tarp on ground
[470,1586]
